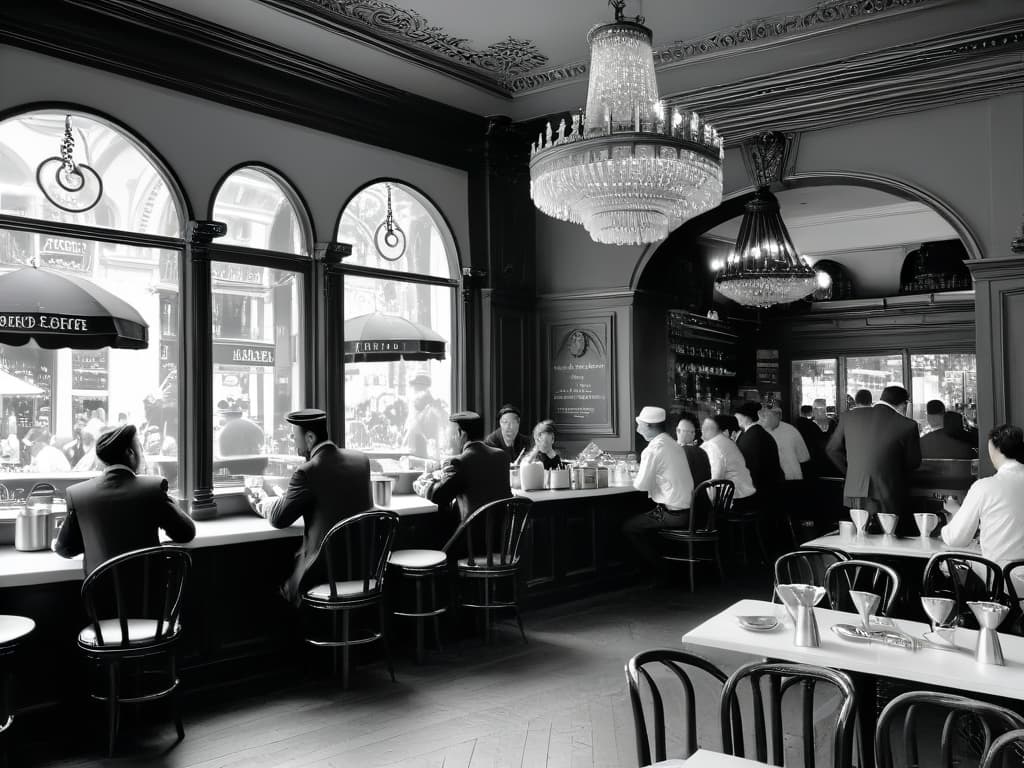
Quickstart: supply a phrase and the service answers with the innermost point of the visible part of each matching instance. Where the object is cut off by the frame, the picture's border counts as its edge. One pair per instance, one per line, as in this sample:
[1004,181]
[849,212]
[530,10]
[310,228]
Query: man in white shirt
[726,460]
[996,503]
[792,448]
[665,475]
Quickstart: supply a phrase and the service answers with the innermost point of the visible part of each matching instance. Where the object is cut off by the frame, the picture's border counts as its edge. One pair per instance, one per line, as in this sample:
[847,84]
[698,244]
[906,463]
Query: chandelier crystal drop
[624,169]
[765,268]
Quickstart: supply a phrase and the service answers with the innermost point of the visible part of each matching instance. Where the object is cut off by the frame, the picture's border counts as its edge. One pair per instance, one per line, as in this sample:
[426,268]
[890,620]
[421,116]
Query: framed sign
[581,376]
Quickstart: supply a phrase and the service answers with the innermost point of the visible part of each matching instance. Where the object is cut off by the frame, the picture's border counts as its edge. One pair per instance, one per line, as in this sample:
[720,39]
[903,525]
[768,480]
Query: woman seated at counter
[544,446]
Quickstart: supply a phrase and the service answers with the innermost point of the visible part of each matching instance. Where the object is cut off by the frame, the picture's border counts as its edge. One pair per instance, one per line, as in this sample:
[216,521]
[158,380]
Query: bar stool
[13,629]
[422,567]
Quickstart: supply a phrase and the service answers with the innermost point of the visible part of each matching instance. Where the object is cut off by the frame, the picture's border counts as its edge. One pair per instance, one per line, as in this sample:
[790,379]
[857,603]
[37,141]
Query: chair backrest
[781,677]
[675,661]
[711,500]
[805,566]
[991,717]
[142,584]
[1013,583]
[357,549]
[1006,747]
[862,575]
[963,576]
[493,533]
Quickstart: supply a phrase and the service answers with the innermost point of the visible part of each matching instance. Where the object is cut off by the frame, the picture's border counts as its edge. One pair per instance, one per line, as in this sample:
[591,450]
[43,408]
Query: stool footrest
[421,615]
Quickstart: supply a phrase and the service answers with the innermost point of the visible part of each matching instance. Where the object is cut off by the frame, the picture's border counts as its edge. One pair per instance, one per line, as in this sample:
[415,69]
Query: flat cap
[509,408]
[651,414]
[307,417]
[749,408]
[464,417]
[111,445]
[420,381]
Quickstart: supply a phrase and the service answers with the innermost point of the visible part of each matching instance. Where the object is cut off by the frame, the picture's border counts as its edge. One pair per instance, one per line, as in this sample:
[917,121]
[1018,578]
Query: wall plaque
[581,380]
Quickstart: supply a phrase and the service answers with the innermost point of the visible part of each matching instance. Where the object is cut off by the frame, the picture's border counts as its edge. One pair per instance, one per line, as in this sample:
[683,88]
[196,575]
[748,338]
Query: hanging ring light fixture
[389,239]
[72,187]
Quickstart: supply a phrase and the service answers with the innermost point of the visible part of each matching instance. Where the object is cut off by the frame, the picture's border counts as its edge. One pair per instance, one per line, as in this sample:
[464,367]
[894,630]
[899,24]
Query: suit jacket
[117,512]
[940,445]
[521,443]
[700,464]
[331,485]
[475,477]
[761,453]
[877,449]
[820,464]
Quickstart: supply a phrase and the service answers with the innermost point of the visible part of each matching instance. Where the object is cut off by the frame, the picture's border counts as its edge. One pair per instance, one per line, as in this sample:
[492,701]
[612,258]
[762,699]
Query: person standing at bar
[331,485]
[665,475]
[937,443]
[877,448]
[120,510]
[760,452]
[793,450]
[507,436]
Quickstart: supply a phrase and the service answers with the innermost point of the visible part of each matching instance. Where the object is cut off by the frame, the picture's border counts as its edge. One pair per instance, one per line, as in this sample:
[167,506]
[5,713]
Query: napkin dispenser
[557,479]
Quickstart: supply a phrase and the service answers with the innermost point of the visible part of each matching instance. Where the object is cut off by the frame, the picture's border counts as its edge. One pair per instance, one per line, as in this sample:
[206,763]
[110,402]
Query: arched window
[398,395]
[260,276]
[122,230]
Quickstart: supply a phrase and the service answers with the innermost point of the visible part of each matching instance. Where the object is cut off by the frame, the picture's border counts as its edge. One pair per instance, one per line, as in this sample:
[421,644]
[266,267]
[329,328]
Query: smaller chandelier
[625,170]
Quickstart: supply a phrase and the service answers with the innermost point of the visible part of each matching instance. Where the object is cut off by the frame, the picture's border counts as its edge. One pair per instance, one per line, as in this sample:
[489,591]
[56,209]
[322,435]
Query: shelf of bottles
[89,369]
[934,282]
[703,361]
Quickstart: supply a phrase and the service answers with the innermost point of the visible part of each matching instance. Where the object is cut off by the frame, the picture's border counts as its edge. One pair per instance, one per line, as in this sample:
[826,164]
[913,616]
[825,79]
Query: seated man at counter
[329,486]
[994,504]
[477,475]
[760,451]
[939,443]
[120,510]
[686,436]
[726,460]
[506,436]
[665,475]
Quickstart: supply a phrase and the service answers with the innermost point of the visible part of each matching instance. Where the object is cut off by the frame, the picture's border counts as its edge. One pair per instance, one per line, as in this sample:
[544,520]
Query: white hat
[650,414]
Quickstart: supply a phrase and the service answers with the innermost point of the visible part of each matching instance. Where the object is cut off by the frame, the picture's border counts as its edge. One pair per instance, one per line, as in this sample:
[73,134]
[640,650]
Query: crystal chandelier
[625,170]
[764,269]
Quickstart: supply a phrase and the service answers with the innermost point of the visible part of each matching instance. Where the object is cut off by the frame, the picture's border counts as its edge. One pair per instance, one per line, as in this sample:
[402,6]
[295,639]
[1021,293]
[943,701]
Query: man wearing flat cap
[331,485]
[506,437]
[665,475]
[476,476]
[120,510]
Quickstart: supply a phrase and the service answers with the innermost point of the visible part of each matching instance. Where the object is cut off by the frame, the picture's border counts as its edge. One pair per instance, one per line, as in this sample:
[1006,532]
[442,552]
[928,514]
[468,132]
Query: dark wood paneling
[508,357]
[1012,354]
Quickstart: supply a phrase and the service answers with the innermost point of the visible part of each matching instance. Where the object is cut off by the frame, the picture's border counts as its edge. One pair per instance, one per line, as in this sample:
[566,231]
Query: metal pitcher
[804,597]
[989,616]
[32,526]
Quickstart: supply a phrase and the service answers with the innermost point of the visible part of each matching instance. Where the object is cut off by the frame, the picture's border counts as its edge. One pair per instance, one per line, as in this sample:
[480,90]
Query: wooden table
[879,545]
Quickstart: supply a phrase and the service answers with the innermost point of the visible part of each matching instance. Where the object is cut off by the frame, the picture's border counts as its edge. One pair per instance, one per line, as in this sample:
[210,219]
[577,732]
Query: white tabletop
[704,758]
[14,627]
[19,569]
[947,669]
[568,493]
[893,546]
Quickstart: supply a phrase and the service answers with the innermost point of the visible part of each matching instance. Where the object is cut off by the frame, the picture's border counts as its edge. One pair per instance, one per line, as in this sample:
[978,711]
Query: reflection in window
[814,380]
[257,335]
[260,211]
[873,373]
[951,378]
[399,408]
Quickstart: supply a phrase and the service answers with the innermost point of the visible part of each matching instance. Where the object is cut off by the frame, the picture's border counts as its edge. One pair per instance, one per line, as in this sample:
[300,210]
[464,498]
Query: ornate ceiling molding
[410,35]
[825,16]
[968,66]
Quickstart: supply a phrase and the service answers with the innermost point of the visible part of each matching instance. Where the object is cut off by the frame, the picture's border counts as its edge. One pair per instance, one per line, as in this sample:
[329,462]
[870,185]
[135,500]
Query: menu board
[580,378]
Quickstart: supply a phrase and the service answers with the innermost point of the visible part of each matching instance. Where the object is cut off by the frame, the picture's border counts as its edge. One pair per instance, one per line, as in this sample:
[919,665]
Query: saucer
[758,623]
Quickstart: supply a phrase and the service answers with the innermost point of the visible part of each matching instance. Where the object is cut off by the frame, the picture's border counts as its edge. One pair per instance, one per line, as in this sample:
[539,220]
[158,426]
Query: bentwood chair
[639,669]
[778,678]
[847,575]
[1013,582]
[710,502]
[354,556]
[491,538]
[968,723]
[806,566]
[13,631]
[963,577]
[134,604]
[1006,751]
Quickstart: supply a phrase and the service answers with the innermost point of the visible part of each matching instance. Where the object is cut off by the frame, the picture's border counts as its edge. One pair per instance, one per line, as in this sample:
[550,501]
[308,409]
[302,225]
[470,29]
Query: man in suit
[119,511]
[507,436]
[331,485]
[686,435]
[877,448]
[476,476]
[939,443]
[759,450]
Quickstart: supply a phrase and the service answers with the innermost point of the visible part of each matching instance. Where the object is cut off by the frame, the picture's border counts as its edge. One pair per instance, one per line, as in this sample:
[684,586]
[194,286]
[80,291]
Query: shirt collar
[119,468]
[888,405]
[319,447]
[1010,465]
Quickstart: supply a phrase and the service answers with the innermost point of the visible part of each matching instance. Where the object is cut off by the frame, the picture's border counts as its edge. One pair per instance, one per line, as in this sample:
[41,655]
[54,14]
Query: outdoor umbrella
[58,311]
[383,338]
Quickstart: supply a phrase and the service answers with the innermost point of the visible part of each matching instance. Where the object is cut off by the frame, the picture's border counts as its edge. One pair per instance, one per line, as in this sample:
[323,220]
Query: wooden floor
[558,701]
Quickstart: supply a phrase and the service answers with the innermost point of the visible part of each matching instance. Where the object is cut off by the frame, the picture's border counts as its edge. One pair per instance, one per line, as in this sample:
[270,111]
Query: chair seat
[140,632]
[480,561]
[417,558]
[13,628]
[344,589]
[678,535]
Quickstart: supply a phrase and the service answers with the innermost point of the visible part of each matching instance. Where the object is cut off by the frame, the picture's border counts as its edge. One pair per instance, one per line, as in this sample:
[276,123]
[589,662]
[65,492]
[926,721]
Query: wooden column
[197,366]
[999,327]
